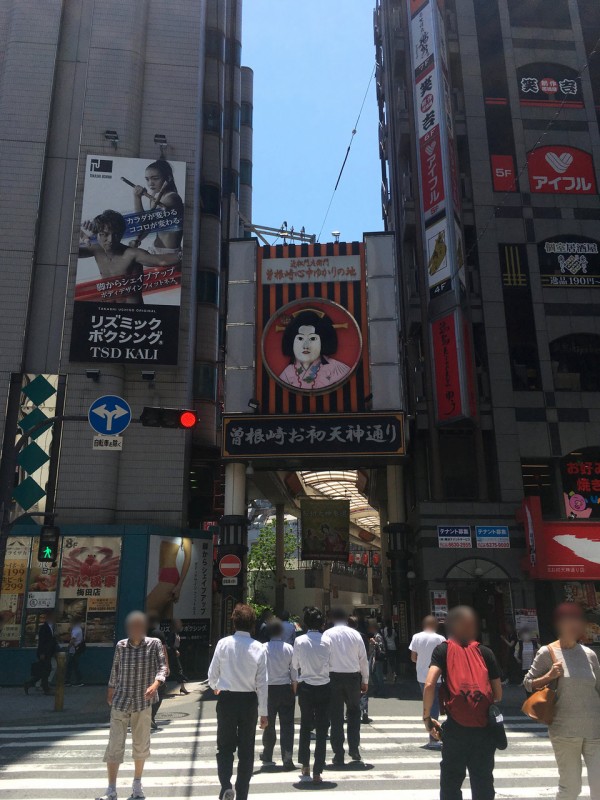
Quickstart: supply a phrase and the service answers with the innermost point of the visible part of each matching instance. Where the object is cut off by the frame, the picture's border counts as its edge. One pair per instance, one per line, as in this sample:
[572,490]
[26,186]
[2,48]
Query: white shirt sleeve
[262,689]
[363,661]
[214,670]
[412,646]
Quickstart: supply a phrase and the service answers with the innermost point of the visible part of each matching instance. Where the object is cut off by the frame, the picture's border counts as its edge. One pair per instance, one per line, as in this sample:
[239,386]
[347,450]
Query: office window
[215,44]
[459,465]
[576,362]
[207,290]
[246,172]
[247,113]
[213,118]
[210,199]
[205,381]
[538,481]
[539,13]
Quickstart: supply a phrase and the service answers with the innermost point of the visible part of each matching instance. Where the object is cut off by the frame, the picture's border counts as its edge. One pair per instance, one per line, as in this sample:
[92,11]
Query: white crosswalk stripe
[65,762]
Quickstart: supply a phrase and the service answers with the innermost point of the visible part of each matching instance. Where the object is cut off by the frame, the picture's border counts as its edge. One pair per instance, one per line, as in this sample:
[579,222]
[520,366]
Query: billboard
[580,475]
[558,169]
[569,261]
[14,585]
[325,529]
[128,278]
[179,579]
[549,85]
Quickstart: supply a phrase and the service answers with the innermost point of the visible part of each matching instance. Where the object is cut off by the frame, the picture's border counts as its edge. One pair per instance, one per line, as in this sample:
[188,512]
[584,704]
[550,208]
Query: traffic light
[155,417]
[48,547]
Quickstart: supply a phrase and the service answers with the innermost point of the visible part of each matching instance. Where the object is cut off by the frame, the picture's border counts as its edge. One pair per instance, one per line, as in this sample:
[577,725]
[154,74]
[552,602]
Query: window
[205,381]
[210,199]
[539,13]
[233,52]
[215,44]
[576,362]
[538,481]
[231,182]
[459,465]
[246,172]
[208,287]
[213,118]
[233,116]
[247,114]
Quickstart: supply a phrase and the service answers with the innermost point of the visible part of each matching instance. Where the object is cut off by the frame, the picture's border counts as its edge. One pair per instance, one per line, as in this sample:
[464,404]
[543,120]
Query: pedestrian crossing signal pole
[233,540]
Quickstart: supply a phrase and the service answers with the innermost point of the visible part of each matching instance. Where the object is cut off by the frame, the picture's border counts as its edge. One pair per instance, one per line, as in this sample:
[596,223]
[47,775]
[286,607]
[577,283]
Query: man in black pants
[349,674]
[46,648]
[238,676]
[470,684]
[155,632]
[282,700]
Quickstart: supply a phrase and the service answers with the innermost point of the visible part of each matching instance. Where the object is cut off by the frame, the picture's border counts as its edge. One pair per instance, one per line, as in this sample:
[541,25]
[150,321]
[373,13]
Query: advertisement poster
[492,536]
[179,582]
[569,261]
[439,603]
[454,537]
[558,169]
[12,598]
[128,281]
[311,346]
[325,528]
[89,584]
[580,474]
[526,619]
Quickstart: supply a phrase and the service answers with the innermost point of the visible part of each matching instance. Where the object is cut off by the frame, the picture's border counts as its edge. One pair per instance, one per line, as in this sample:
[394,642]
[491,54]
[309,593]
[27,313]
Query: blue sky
[312,60]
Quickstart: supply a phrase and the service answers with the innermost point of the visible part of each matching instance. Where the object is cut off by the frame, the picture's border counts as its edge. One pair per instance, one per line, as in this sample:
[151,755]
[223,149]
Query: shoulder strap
[552,653]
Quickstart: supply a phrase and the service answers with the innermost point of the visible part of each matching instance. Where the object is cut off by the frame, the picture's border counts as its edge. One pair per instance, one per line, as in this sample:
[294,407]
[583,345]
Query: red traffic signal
[156,417]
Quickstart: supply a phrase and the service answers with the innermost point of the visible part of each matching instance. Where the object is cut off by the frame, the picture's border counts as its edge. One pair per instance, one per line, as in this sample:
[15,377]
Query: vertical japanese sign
[14,583]
[443,242]
[128,280]
[179,582]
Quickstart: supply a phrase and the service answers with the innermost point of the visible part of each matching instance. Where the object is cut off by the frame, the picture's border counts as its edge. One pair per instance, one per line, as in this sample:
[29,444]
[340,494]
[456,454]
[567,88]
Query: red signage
[447,374]
[557,169]
[230,566]
[503,174]
[432,175]
[566,550]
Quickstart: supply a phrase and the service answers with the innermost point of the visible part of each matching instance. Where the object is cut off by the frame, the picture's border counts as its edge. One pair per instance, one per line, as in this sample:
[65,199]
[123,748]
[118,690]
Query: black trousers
[465,749]
[314,713]
[176,667]
[237,715]
[282,703]
[345,695]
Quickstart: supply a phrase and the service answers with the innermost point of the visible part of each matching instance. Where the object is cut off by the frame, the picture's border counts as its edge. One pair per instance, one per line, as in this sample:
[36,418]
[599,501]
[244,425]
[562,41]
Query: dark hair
[112,220]
[275,629]
[323,328]
[313,618]
[284,616]
[243,618]
[353,621]
[166,172]
[568,611]
[457,614]
[339,615]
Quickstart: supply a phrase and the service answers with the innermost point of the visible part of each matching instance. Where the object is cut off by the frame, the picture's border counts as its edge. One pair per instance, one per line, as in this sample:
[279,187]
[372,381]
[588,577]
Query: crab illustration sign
[557,169]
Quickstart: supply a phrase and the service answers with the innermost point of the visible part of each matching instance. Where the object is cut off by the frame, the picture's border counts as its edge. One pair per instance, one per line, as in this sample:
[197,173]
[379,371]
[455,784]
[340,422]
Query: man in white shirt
[76,649]
[238,675]
[282,700]
[421,647]
[311,661]
[349,673]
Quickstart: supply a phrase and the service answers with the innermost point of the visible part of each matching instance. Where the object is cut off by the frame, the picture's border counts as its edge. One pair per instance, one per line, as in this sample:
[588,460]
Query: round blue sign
[109,415]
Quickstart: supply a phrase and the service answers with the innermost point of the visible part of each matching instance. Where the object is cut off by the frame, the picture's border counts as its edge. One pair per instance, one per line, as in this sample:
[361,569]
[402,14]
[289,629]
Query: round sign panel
[230,566]
[311,346]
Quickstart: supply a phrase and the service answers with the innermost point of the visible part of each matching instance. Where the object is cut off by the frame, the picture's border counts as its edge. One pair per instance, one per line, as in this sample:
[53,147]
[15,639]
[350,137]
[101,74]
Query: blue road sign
[109,415]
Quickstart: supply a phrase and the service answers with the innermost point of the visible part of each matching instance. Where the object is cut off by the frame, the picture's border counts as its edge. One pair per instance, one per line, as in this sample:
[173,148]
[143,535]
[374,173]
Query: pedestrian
[390,638]
[174,650]
[311,662]
[471,685]
[289,629]
[47,646]
[421,648]
[349,677]
[377,658]
[238,676]
[282,700]
[139,668]
[262,625]
[75,650]
[155,632]
[525,651]
[364,697]
[575,730]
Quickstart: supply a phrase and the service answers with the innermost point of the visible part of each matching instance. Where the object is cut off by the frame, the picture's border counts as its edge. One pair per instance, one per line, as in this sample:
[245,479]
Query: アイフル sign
[558,169]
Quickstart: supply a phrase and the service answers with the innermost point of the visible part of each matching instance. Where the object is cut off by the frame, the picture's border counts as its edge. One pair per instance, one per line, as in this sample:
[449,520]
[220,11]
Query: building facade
[92,90]
[515,89]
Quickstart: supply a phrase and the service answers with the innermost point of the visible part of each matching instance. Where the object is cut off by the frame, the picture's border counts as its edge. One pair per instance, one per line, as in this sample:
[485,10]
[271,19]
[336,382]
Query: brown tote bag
[540,705]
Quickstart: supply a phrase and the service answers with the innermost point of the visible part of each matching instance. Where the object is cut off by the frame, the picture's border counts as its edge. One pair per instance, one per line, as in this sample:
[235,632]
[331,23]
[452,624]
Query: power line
[354,130]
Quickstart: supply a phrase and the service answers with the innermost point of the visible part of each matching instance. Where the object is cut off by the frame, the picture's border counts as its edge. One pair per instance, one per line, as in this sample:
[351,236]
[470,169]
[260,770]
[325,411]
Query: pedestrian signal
[155,417]
[48,546]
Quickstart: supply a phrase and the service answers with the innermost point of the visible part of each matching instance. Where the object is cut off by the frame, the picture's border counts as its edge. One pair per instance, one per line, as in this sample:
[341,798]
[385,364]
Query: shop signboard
[492,536]
[580,475]
[128,276]
[255,436]
[569,261]
[558,169]
[439,603]
[325,526]
[526,619]
[454,537]
[14,585]
[543,84]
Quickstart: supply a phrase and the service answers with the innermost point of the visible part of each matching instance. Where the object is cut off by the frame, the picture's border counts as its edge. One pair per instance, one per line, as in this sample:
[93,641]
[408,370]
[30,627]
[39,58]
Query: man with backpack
[470,686]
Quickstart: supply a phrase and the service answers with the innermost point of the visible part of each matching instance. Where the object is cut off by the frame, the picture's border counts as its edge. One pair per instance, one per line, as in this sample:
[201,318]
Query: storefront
[101,574]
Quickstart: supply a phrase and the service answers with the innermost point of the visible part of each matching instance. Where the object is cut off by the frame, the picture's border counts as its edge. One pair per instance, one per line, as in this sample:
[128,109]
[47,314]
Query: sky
[312,60]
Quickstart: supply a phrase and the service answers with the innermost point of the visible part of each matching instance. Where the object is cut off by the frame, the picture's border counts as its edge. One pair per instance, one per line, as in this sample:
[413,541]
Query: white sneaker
[109,794]
[228,794]
[136,790]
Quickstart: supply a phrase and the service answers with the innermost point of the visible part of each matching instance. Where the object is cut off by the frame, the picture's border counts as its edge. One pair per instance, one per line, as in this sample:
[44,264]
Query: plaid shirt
[134,669]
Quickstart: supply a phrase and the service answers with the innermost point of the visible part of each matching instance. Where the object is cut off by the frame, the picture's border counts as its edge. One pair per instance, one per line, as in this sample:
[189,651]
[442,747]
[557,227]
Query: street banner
[128,277]
[325,528]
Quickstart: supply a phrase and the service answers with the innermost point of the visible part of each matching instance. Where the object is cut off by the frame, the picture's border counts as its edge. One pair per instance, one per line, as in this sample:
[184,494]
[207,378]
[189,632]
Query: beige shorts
[140,735]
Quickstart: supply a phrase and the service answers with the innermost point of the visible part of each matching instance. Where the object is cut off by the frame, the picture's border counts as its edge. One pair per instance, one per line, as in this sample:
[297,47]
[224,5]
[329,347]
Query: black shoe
[154,725]
[289,766]
[338,761]
[365,719]
[355,756]
[26,688]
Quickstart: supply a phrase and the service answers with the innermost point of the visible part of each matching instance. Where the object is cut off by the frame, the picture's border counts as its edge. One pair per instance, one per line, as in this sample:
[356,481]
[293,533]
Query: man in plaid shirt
[139,668]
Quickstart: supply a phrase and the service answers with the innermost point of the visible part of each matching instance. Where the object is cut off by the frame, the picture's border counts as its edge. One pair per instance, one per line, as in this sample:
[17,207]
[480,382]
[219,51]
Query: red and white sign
[503,174]
[557,169]
[566,550]
[432,174]
[230,566]
[447,375]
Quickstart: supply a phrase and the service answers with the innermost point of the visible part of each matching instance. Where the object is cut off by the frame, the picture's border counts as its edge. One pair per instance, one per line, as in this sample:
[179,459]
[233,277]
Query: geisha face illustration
[307,345]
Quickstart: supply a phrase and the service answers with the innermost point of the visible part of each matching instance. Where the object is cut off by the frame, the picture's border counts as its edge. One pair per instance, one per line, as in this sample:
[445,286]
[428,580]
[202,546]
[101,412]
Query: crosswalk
[59,762]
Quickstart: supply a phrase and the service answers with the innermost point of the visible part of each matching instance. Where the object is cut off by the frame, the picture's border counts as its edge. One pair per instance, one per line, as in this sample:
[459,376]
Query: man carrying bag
[470,686]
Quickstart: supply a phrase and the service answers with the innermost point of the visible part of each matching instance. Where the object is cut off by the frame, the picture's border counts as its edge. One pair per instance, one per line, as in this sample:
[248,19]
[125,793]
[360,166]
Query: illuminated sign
[570,260]
[549,85]
[558,169]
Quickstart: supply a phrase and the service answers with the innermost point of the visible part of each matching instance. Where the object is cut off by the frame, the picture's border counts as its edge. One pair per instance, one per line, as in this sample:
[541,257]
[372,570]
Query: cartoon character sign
[311,346]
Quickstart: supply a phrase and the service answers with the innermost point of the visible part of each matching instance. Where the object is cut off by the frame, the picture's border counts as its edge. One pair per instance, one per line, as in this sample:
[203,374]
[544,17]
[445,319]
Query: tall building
[141,109]
[490,153]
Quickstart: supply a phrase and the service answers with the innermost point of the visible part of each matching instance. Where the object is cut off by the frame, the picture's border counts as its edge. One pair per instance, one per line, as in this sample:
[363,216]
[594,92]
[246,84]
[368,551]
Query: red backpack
[466,692]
